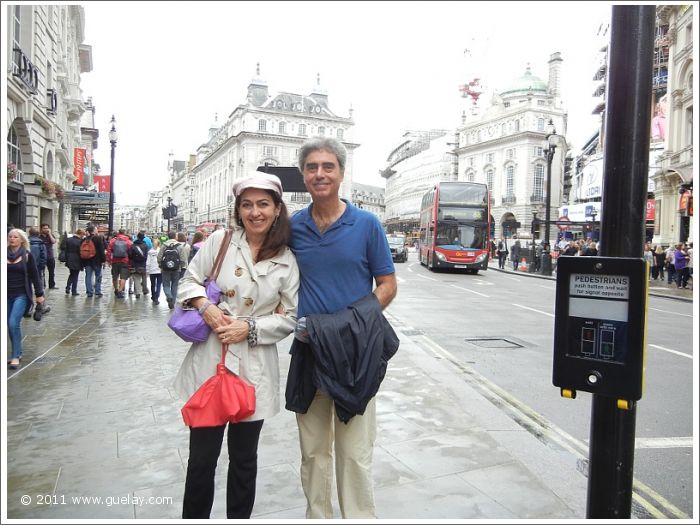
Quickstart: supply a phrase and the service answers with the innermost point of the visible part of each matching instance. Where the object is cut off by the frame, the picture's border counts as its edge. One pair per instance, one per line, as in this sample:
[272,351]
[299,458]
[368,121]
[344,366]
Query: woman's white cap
[260,180]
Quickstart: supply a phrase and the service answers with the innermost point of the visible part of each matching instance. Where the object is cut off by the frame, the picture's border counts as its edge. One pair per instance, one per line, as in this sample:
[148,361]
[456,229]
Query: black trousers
[51,267]
[205,447]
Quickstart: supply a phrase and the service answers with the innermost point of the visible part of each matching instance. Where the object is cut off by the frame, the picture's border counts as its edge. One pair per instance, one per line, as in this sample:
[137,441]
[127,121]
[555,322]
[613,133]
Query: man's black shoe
[40,310]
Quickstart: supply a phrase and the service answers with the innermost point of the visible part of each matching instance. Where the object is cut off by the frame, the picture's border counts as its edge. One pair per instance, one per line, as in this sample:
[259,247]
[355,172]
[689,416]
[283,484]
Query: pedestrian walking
[23,281]
[153,271]
[657,270]
[93,261]
[502,251]
[38,249]
[670,264]
[49,240]
[71,247]
[170,257]
[118,258]
[341,251]
[186,248]
[680,263]
[138,255]
[515,255]
[259,279]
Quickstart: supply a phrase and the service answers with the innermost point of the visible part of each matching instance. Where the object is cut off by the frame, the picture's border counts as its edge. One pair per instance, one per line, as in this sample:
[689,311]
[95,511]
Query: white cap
[263,181]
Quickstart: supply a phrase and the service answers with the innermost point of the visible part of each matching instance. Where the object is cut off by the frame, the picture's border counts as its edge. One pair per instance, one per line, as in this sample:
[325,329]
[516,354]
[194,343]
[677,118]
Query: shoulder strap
[220,256]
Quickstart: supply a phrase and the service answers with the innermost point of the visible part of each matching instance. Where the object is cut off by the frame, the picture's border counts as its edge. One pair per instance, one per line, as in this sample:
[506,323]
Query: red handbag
[224,397]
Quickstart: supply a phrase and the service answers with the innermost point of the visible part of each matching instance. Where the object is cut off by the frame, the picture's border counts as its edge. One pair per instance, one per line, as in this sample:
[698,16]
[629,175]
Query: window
[18,25]
[538,151]
[516,125]
[503,129]
[510,180]
[510,153]
[302,129]
[13,152]
[540,124]
[489,157]
[339,134]
[540,102]
[506,104]
[471,161]
[262,125]
[489,179]
[538,182]
[283,128]
[269,151]
[321,130]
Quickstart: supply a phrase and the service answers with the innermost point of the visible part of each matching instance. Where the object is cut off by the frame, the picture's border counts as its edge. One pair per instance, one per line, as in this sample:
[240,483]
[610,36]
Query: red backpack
[87,249]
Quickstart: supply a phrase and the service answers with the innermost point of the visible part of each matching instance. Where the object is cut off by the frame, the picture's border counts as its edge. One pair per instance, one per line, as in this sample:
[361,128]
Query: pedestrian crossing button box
[600,325]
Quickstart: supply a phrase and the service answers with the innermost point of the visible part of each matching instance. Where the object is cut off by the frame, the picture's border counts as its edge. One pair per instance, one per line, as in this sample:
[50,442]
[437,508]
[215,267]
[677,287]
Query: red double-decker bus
[454,226]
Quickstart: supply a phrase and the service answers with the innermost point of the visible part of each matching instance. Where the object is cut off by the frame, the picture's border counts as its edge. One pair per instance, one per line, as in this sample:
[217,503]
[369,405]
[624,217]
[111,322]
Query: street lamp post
[549,150]
[533,251]
[113,143]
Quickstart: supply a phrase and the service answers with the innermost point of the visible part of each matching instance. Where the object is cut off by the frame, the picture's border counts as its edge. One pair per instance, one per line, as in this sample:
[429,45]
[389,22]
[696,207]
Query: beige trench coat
[250,290]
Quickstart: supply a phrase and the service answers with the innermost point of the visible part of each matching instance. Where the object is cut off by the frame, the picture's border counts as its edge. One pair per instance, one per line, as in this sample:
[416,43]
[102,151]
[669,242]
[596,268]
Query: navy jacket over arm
[346,358]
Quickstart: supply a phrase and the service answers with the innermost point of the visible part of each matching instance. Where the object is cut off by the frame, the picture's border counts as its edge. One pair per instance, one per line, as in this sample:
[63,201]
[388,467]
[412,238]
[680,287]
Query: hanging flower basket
[12,171]
[48,188]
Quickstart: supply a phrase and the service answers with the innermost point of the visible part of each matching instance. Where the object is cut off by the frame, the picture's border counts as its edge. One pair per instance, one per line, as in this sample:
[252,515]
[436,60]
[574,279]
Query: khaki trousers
[354,445]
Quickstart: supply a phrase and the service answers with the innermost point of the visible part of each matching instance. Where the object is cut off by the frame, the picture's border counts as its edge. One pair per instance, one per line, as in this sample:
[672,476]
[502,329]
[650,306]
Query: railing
[25,71]
[536,198]
[508,199]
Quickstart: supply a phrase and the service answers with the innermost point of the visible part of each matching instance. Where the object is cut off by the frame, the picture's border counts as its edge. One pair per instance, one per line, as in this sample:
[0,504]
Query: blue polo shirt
[338,267]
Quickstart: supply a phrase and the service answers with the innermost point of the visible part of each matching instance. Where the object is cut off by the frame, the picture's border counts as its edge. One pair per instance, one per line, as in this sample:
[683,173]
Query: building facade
[266,130]
[503,147]
[421,159]
[45,108]
[673,176]
[370,198]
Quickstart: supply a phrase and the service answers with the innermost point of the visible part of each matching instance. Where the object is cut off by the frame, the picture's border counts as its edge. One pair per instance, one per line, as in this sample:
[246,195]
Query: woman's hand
[233,331]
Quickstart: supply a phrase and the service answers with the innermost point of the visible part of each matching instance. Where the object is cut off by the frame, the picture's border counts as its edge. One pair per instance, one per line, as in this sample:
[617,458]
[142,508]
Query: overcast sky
[164,69]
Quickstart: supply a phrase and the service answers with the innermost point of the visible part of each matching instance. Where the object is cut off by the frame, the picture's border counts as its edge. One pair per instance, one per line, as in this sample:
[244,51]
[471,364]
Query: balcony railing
[536,198]
[508,199]
[25,71]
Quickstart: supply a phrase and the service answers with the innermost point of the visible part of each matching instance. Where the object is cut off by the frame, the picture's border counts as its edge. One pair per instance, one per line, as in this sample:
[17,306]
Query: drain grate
[493,342]
[48,360]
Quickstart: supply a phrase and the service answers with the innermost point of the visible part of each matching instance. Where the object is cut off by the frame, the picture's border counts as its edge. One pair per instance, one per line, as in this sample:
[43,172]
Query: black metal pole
[170,199]
[626,150]
[111,190]
[546,255]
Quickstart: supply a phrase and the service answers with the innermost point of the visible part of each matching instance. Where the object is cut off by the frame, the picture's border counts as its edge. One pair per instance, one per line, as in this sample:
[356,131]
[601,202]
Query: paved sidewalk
[91,414]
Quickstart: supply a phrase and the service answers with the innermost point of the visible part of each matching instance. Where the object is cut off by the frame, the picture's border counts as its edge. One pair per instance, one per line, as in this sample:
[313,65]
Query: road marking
[669,312]
[54,346]
[533,309]
[671,351]
[664,442]
[400,279]
[426,277]
[538,425]
[468,290]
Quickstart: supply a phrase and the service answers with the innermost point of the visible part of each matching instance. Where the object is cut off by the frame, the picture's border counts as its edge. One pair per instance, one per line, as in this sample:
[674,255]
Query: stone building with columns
[266,130]
[45,56]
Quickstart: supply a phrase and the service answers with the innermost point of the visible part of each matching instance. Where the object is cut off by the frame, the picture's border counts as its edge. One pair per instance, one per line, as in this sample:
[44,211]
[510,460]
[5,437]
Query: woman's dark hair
[277,237]
[197,237]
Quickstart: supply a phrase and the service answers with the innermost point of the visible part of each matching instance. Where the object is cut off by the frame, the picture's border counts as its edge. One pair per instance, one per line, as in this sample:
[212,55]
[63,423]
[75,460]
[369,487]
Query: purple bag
[189,325]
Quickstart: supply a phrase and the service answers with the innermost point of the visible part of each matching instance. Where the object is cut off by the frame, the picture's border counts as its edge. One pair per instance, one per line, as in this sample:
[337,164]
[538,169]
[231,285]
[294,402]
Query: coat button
[231,293]
[238,272]
[249,301]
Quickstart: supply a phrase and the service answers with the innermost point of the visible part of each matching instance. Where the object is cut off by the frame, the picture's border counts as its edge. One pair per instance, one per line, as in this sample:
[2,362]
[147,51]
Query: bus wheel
[474,271]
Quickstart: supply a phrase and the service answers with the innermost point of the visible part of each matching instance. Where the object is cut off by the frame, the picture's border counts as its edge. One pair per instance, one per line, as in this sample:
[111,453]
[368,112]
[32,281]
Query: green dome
[528,83]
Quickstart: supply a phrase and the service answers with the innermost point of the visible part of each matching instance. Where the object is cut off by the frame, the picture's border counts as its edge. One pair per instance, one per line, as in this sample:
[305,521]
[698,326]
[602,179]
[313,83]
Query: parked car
[399,252]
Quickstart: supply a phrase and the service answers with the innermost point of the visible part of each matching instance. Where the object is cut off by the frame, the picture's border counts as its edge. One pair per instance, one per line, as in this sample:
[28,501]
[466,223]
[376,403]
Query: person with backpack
[38,249]
[118,259]
[138,254]
[186,248]
[170,258]
[153,271]
[92,252]
[71,247]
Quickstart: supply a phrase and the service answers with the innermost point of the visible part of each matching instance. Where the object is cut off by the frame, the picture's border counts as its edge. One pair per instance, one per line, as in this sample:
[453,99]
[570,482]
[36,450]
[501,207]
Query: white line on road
[468,290]
[669,312]
[664,442]
[426,277]
[672,351]
[533,309]
[54,346]
[400,279]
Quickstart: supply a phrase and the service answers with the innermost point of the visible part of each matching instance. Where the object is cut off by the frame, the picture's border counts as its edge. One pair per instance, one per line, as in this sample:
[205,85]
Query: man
[38,249]
[340,250]
[93,265]
[502,253]
[49,241]
[149,246]
[118,258]
[171,257]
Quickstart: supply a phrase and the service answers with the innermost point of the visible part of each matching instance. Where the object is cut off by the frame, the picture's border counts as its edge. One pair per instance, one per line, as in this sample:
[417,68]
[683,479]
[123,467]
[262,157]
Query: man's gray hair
[328,144]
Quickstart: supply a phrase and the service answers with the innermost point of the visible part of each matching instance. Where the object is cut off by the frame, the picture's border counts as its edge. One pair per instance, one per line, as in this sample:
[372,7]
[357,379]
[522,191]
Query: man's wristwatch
[204,307]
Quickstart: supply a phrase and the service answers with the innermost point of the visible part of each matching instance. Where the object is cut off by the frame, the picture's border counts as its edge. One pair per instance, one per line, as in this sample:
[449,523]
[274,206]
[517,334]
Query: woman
[259,279]
[22,276]
[71,246]
[153,271]
[182,239]
[197,241]
[659,261]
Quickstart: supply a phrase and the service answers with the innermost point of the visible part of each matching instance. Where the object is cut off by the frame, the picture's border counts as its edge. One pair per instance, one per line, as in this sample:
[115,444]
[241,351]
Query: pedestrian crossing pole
[626,149]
